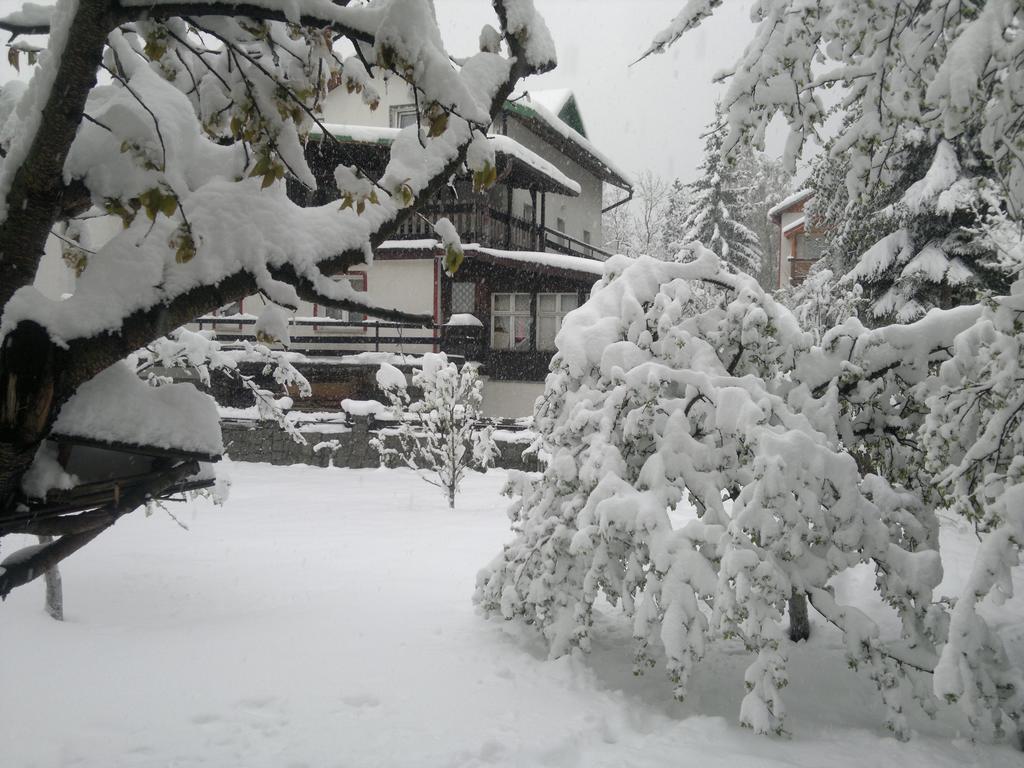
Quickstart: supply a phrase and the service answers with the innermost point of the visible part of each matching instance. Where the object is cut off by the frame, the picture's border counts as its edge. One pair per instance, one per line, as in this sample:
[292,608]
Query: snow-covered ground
[323,618]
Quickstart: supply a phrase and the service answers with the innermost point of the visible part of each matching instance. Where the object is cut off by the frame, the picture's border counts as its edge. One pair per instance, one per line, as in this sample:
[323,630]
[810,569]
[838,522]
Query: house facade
[799,241]
[530,243]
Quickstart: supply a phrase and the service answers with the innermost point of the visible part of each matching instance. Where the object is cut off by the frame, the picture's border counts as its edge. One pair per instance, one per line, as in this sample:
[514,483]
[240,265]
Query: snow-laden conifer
[713,208]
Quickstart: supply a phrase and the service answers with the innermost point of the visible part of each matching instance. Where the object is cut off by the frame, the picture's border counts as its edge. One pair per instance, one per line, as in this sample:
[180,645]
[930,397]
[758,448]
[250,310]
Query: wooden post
[533,216]
[543,221]
[508,218]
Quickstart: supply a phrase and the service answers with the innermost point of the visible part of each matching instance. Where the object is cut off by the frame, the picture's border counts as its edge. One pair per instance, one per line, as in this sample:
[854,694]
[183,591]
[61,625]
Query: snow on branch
[189,143]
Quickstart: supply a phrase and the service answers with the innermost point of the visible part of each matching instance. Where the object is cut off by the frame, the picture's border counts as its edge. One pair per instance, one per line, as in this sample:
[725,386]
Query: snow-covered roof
[552,99]
[534,113]
[795,199]
[531,169]
[576,265]
[796,223]
[560,261]
[116,407]
[562,103]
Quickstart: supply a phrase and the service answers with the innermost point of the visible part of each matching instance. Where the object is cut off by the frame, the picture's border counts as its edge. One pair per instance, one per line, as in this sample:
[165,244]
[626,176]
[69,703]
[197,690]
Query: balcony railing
[494,228]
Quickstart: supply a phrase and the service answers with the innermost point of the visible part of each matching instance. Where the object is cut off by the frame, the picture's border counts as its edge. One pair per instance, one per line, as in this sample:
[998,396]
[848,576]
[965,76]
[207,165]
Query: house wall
[785,247]
[346,108]
[581,213]
[408,284]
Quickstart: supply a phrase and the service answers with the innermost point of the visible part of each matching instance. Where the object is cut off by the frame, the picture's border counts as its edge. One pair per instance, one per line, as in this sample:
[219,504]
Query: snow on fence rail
[329,337]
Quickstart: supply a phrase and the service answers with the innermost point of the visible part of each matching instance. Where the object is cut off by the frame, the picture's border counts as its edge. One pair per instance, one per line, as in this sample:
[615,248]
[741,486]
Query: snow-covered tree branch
[802,460]
[202,113]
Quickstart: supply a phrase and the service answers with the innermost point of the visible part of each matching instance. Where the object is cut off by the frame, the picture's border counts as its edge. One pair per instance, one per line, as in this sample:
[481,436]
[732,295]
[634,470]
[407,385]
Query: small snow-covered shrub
[802,460]
[438,434]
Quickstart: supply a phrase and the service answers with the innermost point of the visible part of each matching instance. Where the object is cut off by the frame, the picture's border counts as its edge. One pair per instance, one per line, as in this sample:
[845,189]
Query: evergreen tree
[921,236]
[712,209]
[760,184]
[675,218]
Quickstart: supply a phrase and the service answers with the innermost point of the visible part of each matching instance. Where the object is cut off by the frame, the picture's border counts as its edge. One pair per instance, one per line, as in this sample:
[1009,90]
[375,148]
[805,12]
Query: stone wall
[341,446]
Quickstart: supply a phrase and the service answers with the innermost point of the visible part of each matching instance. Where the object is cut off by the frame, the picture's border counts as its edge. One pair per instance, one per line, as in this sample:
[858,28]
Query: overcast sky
[646,117]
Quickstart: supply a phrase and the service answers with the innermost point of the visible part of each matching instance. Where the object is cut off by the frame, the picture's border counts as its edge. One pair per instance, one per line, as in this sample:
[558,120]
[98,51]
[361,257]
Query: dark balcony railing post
[376,336]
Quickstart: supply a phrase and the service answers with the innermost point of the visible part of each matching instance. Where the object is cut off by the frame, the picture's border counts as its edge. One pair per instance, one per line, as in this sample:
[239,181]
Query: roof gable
[561,102]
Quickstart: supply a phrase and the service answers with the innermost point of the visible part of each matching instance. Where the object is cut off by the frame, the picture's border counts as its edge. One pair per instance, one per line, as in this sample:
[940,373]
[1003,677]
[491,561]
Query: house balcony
[490,227]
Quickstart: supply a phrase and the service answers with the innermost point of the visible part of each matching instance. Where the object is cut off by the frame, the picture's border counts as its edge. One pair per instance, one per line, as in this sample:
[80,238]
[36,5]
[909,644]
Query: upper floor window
[807,246]
[510,321]
[551,310]
[403,115]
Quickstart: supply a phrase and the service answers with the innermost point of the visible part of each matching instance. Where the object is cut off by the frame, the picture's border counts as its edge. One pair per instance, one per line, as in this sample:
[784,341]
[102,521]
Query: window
[528,212]
[510,321]
[586,237]
[358,282]
[560,225]
[551,310]
[808,247]
[403,115]
[463,298]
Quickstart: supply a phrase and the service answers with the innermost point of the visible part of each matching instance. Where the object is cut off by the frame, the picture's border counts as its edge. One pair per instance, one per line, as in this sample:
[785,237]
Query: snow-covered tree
[439,432]
[638,227]
[797,460]
[760,183]
[714,207]
[675,218]
[202,115]
[929,142]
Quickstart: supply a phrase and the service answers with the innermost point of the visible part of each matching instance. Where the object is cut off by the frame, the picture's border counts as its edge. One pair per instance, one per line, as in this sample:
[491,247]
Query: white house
[531,253]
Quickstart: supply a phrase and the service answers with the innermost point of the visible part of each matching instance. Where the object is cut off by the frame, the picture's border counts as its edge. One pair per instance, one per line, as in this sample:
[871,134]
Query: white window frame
[400,110]
[512,314]
[558,314]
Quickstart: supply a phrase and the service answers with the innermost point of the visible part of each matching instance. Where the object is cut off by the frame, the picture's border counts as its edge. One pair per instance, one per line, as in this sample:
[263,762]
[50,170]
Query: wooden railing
[563,243]
[329,337]
[494,228]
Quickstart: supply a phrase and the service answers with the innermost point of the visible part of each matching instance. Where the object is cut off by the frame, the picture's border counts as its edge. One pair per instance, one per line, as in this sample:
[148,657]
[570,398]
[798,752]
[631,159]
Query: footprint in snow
[361,700]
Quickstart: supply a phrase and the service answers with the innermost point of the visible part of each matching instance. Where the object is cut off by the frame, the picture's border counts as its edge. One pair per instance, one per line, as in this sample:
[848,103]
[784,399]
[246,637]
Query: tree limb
[24,570]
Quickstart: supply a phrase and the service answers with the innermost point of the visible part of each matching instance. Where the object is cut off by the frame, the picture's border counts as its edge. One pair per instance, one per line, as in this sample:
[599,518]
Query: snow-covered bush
[801,459]
[439,433]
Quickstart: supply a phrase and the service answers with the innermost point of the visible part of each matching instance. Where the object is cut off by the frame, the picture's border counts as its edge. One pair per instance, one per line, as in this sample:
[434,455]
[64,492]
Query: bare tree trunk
[451,496]
[799,623]
[54,590]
